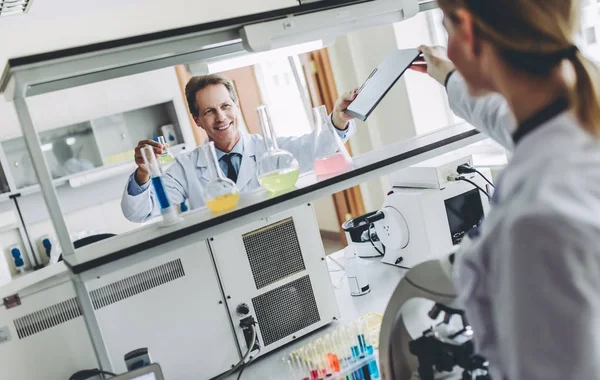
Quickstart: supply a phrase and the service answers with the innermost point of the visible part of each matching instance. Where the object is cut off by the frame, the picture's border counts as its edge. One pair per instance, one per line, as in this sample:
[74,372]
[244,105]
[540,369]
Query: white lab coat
[530,282]
[186,178]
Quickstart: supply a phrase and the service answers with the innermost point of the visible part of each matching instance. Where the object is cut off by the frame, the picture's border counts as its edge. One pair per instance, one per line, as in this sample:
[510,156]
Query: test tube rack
[346,353]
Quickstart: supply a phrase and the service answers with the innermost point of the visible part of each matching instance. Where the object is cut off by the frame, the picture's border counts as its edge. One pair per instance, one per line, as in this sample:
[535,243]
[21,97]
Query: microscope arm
[431,280]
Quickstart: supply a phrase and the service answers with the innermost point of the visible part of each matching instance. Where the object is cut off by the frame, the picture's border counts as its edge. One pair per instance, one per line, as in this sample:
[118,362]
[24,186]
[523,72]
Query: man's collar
[244,145]
[237,148]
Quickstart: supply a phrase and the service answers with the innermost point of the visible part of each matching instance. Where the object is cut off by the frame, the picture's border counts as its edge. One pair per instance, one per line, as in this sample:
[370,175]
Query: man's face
[217,115]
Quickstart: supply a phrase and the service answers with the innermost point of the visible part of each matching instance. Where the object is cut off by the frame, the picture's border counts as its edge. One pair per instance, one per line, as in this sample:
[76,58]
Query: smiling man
[213,104]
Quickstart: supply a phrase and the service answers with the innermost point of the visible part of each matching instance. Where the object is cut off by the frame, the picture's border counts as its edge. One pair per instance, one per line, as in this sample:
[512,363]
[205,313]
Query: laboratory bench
[383,279]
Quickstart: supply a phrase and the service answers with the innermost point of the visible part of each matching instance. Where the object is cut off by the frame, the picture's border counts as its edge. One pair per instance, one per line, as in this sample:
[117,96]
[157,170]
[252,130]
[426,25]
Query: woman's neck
[527,96]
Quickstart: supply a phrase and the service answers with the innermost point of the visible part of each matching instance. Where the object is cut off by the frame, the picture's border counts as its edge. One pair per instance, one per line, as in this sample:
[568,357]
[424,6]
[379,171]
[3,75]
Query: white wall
[326,214]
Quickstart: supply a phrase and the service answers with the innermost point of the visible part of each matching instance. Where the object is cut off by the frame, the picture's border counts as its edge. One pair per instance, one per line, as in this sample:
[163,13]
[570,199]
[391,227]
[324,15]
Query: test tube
[166,209]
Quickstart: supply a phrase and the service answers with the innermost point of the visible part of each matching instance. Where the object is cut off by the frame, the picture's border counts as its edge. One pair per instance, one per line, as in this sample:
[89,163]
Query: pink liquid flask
[333,164]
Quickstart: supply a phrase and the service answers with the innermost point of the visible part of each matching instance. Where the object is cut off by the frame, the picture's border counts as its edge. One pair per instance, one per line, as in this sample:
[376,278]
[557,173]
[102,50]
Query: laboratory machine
[444,349]
[430,208]
[196,307]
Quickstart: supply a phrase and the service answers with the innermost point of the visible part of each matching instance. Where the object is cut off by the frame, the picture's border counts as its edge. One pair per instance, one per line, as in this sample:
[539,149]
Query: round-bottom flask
[277,169]
[221,193]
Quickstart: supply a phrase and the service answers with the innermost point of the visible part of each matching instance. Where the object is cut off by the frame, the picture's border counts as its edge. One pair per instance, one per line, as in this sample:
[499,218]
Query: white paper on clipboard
[380,81]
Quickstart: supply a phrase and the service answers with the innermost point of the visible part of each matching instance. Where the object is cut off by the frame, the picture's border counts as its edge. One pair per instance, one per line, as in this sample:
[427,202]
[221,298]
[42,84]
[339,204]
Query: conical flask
[166,157]
[331,156]
[277,169]
[220,194]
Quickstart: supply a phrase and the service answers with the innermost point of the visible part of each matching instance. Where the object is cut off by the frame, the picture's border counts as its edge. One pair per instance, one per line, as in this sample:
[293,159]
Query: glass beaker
[166,157]
[277,169]
[331,156]
[221,193]
[167,211]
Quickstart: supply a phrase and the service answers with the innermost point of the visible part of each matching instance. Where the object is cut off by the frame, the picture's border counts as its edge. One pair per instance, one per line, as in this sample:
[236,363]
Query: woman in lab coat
[529,279]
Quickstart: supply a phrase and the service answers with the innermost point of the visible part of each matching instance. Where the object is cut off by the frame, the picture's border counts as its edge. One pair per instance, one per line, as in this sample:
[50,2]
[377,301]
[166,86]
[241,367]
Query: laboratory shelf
[203,224]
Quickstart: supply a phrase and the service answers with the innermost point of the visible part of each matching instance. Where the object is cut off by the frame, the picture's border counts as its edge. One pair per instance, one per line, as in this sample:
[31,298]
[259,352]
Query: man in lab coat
[213,104]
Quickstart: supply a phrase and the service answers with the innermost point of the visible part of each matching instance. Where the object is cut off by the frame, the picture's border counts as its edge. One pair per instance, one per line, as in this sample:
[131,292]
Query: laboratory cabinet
[81,147]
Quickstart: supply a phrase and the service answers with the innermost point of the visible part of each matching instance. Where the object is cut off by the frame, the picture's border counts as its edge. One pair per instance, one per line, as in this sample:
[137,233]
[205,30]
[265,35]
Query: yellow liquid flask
[166,157]
[221,193]
[277,169]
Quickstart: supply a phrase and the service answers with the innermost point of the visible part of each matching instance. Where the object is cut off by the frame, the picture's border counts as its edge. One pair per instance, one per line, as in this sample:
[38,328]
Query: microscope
[446,347]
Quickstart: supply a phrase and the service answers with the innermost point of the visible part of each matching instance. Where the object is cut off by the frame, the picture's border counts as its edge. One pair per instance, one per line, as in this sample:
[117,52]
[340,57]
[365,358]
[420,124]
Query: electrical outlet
[45,248]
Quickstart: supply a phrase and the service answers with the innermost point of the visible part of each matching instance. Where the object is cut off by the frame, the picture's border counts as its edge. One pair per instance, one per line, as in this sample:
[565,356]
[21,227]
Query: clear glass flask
[166,157]
[277,169]
[331,156]
[221,193]
[168,211]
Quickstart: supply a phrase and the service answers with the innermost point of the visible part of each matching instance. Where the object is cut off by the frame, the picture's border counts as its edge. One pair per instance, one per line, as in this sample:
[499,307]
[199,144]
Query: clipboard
[379,83]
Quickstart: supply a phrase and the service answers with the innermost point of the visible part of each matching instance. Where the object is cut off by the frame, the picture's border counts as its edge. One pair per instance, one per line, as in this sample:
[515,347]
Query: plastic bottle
[357,278]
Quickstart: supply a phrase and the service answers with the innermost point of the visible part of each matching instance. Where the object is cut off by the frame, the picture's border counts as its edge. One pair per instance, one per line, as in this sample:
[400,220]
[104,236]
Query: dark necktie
[231,173]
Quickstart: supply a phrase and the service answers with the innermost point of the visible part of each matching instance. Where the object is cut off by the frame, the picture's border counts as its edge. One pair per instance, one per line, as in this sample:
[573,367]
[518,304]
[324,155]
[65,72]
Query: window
[283,89]
[428,99]
[589,35]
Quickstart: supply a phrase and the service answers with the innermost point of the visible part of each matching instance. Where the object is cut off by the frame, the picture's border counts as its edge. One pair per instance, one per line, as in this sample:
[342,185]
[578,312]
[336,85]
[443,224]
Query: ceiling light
[70,140]
[47,147]
[248,59]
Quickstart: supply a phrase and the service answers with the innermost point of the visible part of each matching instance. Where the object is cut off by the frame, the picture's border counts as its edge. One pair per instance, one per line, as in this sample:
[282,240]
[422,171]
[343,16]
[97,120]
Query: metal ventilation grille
[286,310]
[136,284]
[44,319]
[274,252]
[13,7]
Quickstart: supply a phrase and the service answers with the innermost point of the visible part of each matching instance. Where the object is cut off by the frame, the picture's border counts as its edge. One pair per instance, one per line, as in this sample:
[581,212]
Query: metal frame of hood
[53,71]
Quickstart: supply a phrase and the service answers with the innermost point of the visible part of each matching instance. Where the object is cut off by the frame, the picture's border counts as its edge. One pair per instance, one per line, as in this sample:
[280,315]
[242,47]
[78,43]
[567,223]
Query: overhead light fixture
[14,7]
[47,147]
[328,23]
[70,140]
[219,65]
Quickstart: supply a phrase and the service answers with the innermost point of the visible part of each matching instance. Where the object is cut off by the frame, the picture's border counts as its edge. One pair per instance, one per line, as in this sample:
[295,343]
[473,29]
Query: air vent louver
[136,284]
[65,311]
[286,310]
[44,319]
[274,252]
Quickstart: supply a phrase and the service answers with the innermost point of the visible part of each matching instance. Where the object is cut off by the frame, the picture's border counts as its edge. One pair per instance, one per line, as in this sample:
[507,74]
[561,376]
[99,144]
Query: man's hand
[435,62]
[339,116]
[141,174]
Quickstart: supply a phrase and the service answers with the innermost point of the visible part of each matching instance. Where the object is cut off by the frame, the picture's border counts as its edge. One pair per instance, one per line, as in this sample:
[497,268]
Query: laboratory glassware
[167,210]
[221,193]
[277,169]
[166,157]
[331,156]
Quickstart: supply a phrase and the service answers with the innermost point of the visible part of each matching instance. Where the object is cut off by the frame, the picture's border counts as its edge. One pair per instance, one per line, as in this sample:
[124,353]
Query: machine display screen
[464,211]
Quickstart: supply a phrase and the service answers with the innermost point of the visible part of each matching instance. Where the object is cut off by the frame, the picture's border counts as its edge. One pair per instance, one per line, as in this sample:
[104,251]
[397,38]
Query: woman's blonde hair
[535,36]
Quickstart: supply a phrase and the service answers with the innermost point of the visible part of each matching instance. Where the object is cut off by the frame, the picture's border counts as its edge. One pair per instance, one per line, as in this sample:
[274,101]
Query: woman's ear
[462,23]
